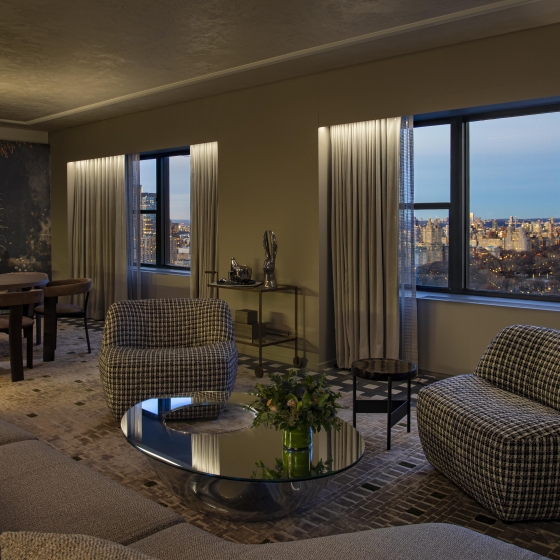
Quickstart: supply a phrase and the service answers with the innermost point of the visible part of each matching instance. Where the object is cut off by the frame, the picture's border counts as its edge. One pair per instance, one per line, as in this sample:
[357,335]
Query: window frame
[162,207]
[458,205]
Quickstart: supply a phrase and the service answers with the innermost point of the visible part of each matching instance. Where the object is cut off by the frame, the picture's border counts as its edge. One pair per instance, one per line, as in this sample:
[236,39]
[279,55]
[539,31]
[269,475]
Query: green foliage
[296,402]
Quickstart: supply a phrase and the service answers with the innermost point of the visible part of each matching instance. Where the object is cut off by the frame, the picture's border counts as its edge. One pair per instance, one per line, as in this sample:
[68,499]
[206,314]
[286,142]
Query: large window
[487,204]
[165,208]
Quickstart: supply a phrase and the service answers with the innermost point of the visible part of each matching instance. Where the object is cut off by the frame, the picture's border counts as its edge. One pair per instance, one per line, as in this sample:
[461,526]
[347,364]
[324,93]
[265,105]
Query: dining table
[23,280]
[15,281]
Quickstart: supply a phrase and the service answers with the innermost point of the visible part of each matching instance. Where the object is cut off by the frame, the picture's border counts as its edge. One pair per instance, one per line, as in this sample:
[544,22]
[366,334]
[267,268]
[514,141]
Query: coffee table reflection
[223,466]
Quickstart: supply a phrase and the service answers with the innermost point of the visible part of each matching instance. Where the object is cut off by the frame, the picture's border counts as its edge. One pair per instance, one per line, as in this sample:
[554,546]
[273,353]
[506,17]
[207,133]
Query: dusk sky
[514,167]
[179,184]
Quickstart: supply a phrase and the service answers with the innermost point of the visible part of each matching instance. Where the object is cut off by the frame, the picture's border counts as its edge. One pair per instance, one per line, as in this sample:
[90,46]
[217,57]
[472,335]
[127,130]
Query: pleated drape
[367,206]
[205,450]
[98,248]
[204,217]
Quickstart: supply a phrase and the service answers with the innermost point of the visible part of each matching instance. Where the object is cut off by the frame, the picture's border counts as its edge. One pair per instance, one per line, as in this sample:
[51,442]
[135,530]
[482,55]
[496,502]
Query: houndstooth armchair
[164,348]
[496,433]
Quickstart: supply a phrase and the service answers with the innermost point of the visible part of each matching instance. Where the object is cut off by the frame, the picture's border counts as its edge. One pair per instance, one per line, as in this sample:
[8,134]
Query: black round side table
[384,369]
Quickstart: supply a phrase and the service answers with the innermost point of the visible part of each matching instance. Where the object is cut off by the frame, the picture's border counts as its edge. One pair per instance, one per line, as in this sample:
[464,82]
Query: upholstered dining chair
[13,325]
[52,310]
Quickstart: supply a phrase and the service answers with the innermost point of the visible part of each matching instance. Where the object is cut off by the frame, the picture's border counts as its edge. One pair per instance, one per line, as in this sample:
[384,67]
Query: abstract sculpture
[270,249]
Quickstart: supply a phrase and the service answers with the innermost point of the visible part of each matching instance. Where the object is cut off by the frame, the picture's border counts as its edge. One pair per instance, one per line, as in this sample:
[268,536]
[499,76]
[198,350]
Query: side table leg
[389,411]
[408,407]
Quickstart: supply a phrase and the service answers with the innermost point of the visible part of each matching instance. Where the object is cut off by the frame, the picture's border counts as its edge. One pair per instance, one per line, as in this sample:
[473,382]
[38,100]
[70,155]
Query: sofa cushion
[50,546]
[524,360]
[49,492]
[500,448]
[10,433]
[410,542]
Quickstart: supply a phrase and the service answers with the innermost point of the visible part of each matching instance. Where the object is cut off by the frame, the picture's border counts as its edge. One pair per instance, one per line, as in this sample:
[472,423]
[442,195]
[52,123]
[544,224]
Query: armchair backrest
[524,360]
[168,323]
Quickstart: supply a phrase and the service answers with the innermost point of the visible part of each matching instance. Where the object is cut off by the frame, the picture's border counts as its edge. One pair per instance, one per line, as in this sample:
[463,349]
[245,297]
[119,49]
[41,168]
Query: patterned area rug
[62,403]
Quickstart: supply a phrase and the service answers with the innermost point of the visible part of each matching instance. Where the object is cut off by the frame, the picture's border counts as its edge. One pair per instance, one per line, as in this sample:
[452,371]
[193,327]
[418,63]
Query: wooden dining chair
[13,325]
[51,309]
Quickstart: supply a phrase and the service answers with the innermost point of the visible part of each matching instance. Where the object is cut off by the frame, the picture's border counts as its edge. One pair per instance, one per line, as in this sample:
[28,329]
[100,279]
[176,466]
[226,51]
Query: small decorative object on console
[239,273]
[270,249]
[297,405]
[247,316]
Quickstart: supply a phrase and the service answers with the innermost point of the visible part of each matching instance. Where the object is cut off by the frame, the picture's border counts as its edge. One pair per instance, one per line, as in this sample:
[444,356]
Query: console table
[273,340]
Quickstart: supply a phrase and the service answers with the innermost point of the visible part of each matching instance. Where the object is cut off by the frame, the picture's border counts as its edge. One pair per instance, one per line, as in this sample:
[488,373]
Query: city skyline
[508,255]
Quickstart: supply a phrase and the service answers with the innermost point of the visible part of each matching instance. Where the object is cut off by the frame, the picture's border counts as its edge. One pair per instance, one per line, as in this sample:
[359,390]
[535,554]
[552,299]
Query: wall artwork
[25,207]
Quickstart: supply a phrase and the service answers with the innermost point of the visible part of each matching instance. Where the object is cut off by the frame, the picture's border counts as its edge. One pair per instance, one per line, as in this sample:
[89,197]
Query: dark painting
[25,211]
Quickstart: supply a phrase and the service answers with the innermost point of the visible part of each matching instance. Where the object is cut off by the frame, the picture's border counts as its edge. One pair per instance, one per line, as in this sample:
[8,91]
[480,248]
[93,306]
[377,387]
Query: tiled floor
[341,380]
[62,403]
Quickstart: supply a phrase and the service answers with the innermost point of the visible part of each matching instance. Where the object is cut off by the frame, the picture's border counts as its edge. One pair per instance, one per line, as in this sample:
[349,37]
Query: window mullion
[159,216]
[165,212]
[458,223]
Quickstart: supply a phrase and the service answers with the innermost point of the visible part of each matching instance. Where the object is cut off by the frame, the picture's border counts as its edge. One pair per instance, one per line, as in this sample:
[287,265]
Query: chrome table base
[241,500]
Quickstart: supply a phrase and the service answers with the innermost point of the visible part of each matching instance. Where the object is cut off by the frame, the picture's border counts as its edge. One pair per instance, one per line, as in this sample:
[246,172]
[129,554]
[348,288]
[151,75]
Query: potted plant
[297,405]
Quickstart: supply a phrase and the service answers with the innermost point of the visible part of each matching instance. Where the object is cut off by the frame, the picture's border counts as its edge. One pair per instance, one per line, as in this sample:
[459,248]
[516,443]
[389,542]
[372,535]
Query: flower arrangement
[292,402]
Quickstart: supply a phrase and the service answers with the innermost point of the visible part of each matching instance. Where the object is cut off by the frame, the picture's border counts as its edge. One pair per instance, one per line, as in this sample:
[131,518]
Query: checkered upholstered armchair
[496,433]
[166,347]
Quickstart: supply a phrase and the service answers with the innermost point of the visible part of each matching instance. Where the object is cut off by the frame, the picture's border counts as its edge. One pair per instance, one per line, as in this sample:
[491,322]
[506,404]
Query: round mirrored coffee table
[223,466]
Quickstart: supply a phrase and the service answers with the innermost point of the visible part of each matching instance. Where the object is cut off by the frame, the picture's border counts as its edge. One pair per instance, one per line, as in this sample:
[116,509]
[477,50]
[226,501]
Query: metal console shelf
[277,339]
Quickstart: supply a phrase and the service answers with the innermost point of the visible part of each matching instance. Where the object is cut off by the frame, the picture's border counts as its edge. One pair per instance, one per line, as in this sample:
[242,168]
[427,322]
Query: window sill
[172,271]
[493,301]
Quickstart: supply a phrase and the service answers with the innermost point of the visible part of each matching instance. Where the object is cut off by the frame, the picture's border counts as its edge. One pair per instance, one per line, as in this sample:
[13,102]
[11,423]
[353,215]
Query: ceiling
[68,62]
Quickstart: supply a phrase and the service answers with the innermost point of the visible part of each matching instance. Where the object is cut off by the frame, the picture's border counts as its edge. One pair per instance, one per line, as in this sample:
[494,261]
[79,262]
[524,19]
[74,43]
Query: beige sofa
[52,507]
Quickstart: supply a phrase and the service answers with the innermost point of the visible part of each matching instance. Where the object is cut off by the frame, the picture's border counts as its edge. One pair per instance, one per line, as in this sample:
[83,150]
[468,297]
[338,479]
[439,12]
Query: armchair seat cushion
[130,375]
[5,323]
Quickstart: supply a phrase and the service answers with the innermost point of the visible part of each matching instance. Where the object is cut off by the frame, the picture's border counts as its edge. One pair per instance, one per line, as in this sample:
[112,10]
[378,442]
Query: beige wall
[268,149]
[452,336]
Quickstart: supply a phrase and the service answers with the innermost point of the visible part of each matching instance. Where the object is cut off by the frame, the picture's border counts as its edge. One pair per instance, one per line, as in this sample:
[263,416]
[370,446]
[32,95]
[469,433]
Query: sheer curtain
[133,227]
[372,195]
[204,216]
[102,196]
[408,319]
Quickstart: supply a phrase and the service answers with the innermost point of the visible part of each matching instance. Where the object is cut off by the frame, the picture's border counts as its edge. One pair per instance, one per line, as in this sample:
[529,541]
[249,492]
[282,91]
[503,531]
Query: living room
[270,123]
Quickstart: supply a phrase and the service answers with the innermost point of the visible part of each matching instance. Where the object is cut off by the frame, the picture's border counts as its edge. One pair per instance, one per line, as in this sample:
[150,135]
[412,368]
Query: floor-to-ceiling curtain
[102,195]
[204,217]
[373,302]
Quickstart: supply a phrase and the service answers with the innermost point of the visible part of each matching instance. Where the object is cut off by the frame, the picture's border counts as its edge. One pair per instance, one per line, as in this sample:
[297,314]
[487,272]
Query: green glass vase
[297,463]
[298,438]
